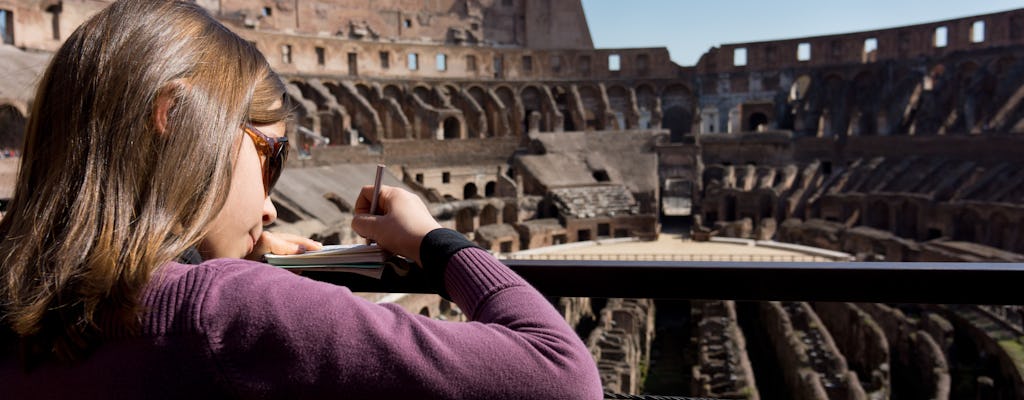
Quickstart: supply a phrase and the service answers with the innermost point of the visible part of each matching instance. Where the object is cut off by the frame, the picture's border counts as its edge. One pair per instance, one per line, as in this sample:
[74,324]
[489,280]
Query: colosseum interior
[899,144]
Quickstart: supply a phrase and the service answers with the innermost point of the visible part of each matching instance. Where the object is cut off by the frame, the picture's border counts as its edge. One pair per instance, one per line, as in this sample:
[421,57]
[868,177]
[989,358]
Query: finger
[276,244]
[308,243]
[364,200]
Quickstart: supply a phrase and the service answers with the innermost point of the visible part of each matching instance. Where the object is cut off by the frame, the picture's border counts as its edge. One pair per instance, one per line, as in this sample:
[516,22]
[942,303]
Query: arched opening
[464,221]
[489,215]
[766,207]
[756,121]
[451,128]
[489,189]
[730,208]
[510,214]
[469,191]
[677,105]
[967,226]
[908,221]
[878,215]
[562,102]
[425,311]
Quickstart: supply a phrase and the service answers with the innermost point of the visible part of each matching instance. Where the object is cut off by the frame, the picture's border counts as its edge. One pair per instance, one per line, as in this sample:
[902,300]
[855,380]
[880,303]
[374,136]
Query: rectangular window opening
[7,26]
[803,52]
[441,62]
[407,23]
[385,60]
[614,62]
[54,12]
[446,177]
[353,64]
[739,56]
[267,11]
[499,68]
[941,38]
[414,61]
[286,54]
[419,178]
[870,50]
[978,32]
[471,63]
[527,64]
[320,56]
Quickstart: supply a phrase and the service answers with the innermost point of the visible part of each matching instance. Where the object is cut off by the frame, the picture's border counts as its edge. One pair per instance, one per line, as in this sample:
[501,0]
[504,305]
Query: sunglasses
[273,153]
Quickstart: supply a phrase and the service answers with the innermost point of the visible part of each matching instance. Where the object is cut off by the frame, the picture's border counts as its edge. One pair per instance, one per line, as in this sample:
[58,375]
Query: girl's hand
[282,244]
[401,222]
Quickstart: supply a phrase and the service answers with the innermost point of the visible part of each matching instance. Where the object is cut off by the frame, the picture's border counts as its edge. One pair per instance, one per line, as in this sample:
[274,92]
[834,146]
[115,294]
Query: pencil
[376,189]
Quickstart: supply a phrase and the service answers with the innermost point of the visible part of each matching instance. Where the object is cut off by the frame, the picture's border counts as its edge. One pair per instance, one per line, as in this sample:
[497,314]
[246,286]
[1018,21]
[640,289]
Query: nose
[269,212]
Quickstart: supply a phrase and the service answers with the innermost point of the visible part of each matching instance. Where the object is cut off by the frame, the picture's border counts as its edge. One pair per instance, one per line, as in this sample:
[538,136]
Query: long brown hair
[104,197]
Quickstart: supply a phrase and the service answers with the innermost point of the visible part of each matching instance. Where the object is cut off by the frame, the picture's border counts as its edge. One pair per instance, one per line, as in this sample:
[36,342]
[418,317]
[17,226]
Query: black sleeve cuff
[436,249]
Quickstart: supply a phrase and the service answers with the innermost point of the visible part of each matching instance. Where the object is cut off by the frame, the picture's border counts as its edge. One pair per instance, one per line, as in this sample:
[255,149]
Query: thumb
[366,225]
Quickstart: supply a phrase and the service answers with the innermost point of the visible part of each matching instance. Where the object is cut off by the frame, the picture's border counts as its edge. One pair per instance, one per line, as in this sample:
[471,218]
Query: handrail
[900,282]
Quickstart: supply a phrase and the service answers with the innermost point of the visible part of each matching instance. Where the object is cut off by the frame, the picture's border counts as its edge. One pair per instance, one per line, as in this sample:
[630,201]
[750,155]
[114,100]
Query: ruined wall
[723,368]
[811,364]
[621,343]
[862,341]
[920,367]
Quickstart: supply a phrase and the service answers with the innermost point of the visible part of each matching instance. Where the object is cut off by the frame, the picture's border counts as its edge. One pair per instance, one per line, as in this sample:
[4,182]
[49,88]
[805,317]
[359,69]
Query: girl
[155,137]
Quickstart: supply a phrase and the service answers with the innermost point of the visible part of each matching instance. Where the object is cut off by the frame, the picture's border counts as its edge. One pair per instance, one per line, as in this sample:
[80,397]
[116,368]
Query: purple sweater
[234,328]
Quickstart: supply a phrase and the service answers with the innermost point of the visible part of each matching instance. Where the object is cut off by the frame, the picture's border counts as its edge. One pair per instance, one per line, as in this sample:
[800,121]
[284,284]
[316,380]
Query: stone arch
[647,106]
[967,226]
[470,191]
[510,213]
[593,109]
[878,215]
[620,104]
[532,100]
[677,104]
[489,215]
[394,92]
[833,100]
[465,220]
[451,128]
[564,104]
[12,127]
[365,91]
[969,98]
[327,118]
[864,100]
[427,95]
[490,188]
[512,109]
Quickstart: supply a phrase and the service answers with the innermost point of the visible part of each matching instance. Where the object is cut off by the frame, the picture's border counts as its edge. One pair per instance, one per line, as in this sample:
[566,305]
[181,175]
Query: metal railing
[875,282]
[672,257]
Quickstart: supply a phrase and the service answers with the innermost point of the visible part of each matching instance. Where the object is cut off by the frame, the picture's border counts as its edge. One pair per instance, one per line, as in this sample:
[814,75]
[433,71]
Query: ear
[166,98]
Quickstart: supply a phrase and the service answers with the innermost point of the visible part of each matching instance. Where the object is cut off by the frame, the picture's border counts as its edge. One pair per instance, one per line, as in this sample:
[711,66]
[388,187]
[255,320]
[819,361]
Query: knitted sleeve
[276,334]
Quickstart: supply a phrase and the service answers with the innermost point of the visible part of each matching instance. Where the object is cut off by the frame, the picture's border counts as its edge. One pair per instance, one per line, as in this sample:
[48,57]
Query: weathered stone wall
[811,363]
[723,368]
[621,343]
[863,343]
[920,367]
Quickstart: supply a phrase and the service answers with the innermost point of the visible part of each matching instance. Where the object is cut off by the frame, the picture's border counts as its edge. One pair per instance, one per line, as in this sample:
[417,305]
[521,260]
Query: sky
[689,28]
